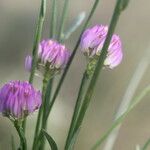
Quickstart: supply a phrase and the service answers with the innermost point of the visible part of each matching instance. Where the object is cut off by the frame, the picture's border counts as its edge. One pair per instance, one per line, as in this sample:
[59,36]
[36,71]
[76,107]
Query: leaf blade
[50,140]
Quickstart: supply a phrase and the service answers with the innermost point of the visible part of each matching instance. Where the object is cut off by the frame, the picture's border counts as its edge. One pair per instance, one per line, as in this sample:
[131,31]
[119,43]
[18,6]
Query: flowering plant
[51,57]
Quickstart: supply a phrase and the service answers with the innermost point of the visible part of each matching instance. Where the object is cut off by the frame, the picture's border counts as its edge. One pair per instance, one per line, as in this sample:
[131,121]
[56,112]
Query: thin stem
[39,119]
[63,19]
[48,91]
[37,38]
[128,96]
[23,144]
[99,65]
[117,122]
[145,147]
[71,58]
[76,110]
[53,20]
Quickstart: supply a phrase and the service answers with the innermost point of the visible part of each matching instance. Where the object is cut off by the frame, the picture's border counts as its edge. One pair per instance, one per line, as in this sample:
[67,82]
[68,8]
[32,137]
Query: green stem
[90,90]
[23,144]
[117,122]
[71,58]
[39,118]
[145,147]
[63,19]
[53,20]
[46,104]
[35,45]
[83,85]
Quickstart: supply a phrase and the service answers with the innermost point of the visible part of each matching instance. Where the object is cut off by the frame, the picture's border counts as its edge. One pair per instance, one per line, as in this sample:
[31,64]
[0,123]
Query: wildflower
[18,99]
[92,42]
[51,54]
[92,38]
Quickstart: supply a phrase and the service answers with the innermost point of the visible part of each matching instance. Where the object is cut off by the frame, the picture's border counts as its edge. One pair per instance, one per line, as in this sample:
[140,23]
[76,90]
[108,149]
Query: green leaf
[145,147]
[50,140]
[53,19]
[72,142]
[76,23]
[118,121]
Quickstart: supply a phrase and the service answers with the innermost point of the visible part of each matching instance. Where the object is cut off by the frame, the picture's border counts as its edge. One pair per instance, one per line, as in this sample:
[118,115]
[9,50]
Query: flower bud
[51,54]
[92,42]
[19,99]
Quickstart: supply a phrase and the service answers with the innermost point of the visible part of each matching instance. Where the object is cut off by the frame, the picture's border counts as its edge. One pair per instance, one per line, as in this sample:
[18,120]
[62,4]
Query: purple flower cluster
[54,53]
[50,53]
[93,40]
[19,99]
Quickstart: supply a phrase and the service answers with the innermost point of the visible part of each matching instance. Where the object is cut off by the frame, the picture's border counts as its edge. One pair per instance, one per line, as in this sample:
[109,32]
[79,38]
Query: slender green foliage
[37,39]
[63,19]
[71,58]
[39,124]
[76,111]
[53,20]
[133,104]
[128,96]
[23,144]
[50,140]
[99,65]
[146,145]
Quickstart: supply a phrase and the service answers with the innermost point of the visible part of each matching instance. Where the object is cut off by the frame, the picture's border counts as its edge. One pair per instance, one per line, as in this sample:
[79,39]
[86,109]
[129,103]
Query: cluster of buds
[19,99]
[92,42]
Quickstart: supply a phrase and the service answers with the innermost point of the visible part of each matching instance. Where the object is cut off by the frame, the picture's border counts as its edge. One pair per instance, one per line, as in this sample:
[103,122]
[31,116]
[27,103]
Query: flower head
[92,42]
[54,53]
[114,55]
[92,38]
[19,99]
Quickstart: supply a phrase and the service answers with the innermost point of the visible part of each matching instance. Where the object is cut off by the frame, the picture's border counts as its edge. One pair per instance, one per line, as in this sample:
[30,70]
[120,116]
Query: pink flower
[50,53]
[92,42]
[19,99]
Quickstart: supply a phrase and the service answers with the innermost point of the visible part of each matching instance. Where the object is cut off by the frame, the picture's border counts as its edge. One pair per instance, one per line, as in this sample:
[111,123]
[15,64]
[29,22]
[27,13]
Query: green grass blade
[37,38]
[50,140]
[128,96]
[146,145]
[71,58]
[53,20]
[63,19]
[133,104]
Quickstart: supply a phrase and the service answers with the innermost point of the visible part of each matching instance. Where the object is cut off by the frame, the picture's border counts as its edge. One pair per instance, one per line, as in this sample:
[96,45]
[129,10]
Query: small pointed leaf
[50,140]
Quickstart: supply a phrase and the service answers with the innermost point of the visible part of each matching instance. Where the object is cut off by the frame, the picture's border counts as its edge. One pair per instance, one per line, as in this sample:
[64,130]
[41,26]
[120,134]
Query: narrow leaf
[50,140]
[74,26]
[53,20]
[145,147]
[121,118]
[72,142]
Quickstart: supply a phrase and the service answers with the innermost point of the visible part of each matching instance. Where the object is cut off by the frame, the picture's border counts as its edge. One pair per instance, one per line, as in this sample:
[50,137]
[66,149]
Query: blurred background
[17,25]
